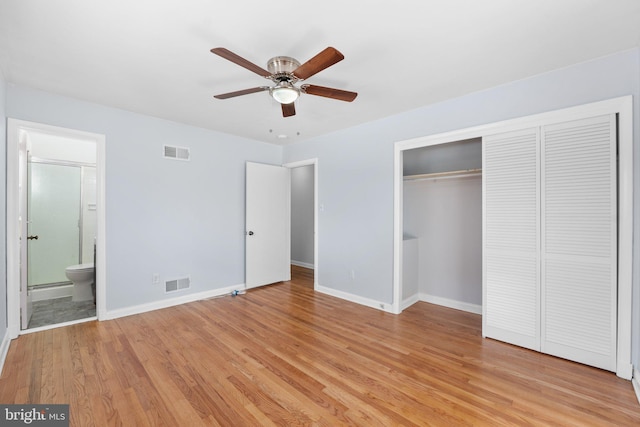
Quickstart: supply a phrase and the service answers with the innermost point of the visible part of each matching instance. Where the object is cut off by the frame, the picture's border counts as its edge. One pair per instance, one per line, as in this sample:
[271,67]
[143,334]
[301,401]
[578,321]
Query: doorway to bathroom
[61,228]
[54,215]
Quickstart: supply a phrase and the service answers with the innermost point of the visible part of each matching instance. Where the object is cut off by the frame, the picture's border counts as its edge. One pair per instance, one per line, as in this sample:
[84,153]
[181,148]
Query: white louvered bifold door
[511,243]
[579,241]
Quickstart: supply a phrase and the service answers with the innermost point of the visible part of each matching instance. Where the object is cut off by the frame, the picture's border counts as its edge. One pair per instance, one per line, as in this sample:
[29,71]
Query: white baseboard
[458,305]
[636,383]
[4,349]
[355,298]
[157,305]
[408,302]
[52,292]
[624,370]
[302,264]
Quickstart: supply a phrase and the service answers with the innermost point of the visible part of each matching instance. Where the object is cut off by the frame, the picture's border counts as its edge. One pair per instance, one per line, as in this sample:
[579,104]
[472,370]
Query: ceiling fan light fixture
[284,92]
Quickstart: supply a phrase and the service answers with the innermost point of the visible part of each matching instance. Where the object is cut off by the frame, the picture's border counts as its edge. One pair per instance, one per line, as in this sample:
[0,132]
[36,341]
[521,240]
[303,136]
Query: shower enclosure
[62,220]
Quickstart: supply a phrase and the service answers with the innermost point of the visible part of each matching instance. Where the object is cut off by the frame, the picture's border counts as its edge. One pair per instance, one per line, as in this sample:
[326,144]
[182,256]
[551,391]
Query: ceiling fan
[285,72]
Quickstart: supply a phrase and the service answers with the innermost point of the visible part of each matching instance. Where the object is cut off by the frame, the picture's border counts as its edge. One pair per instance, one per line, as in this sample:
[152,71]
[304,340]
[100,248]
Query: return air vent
[177,284]
[176,153]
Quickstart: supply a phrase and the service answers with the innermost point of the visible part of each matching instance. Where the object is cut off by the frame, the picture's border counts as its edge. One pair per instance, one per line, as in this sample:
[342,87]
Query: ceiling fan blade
[228,55]
[288,110]
[241,92]
[328,92]
[323,60]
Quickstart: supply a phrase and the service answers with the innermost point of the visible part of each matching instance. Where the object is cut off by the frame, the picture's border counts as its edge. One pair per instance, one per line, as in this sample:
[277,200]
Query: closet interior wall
[442,218]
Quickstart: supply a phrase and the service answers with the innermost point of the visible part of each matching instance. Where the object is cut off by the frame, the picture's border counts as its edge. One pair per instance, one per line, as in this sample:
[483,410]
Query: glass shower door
[54,217]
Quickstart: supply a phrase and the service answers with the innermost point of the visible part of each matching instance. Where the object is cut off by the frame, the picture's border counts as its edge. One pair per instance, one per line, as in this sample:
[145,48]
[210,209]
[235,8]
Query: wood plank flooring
[283,355]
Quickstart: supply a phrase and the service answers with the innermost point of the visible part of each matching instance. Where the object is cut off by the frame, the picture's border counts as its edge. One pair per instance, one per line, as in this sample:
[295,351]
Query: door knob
[250,233]
[32,237]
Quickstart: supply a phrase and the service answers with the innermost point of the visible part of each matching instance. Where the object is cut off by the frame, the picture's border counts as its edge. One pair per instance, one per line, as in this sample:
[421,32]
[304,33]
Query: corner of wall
[4,330]
[636,383]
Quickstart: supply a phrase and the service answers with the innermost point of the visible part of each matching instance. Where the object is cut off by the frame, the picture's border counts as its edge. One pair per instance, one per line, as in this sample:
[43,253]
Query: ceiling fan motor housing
[282,67]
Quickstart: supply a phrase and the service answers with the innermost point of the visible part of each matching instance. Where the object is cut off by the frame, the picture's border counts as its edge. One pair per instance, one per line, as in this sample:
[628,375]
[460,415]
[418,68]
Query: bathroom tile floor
[59,310]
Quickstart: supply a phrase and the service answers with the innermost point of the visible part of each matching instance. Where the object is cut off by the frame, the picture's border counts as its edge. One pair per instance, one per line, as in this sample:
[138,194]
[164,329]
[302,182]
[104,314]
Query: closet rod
[441,175]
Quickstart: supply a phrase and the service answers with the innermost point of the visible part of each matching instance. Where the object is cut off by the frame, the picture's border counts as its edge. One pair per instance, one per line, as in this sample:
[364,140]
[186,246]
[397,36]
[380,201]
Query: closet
[556,230]
[550,238]
[442,220]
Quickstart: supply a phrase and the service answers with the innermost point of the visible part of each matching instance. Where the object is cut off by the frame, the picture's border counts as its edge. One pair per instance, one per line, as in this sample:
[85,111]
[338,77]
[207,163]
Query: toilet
[81,276]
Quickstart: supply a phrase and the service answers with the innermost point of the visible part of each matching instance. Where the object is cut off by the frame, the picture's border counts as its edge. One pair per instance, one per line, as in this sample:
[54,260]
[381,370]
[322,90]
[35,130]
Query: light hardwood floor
[284,355]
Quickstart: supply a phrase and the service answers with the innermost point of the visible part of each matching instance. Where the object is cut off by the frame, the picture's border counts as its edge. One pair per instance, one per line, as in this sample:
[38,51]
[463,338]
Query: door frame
[14,128]
[309,162]
[623,107]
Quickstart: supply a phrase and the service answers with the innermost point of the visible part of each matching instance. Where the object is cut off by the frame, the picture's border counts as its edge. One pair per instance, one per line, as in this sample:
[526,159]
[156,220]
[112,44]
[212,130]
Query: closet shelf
[440,175]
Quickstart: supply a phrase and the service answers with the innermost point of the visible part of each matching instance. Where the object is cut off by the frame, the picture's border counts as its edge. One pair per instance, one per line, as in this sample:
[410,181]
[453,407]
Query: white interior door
[511,301]
[550,239]
[579,241]
[268,225]
[25,299]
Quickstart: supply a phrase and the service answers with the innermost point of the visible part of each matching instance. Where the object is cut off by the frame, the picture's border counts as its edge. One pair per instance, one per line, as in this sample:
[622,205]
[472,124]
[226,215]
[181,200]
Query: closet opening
[442,225]
[544,141]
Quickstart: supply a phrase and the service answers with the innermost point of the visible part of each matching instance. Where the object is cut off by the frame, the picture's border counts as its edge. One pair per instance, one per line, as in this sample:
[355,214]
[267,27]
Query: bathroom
[61,228]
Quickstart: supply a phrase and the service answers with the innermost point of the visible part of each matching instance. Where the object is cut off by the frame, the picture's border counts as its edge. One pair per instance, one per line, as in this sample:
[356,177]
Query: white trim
[101,229]
[4,349]
[298,164]
[301,163]
[171,302]
[408,302]
[625,236]
[14,127]
[13,230]
[623,106]
[636,383]
[54,292]
[457,305]
[398,185]
[302,264]
[57,325]
[355,298]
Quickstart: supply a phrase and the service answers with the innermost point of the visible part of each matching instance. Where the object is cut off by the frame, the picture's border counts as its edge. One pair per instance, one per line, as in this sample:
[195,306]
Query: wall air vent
[176,153]
[177,284]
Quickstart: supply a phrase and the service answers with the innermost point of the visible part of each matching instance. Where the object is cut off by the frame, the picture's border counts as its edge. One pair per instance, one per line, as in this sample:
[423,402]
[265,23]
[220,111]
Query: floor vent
[176,153]
[177,284]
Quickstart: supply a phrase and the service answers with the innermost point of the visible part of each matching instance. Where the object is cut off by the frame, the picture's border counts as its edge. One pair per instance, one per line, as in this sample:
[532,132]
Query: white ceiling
[153,56]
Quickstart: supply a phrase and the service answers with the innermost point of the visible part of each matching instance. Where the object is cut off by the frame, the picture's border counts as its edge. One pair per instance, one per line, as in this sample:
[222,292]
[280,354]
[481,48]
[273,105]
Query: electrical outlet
[155,279]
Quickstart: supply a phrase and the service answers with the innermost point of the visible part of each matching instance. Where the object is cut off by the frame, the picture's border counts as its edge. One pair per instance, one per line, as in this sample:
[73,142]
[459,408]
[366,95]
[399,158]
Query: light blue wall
[355,218]
[163,216]
[355,167]
[3,248]
[446,216]
[178,218]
